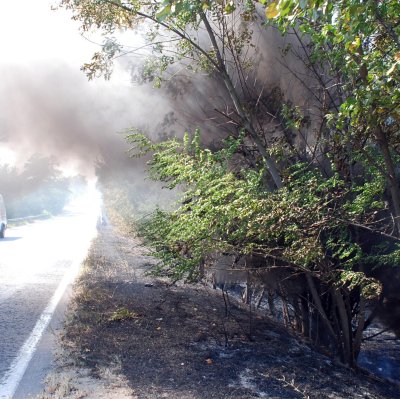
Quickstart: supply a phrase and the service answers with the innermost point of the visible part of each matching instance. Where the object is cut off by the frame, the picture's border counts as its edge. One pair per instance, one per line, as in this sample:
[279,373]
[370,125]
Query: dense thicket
[305,189]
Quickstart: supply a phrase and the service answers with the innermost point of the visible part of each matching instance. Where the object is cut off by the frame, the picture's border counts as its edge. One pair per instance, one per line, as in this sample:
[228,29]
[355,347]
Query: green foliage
[361,39]
[370,287]
[172,29]
[128,198]
[324,212]
[122,314]
[356,45]
[38,189]
[119,208]
[382,256]
[224,209]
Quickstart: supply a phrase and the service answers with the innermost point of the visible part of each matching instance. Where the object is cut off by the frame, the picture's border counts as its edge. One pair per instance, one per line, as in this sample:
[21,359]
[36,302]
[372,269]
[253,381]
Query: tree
[352,47]
[327,217]
[303,229]
[175,34]
[37,189]
[357,43]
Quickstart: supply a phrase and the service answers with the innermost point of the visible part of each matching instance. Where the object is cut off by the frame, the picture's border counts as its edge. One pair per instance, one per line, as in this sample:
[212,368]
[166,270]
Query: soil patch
[128,335]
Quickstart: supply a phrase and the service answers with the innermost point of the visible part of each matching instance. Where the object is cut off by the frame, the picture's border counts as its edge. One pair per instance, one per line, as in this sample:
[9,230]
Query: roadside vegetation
[303,191]
[38,189]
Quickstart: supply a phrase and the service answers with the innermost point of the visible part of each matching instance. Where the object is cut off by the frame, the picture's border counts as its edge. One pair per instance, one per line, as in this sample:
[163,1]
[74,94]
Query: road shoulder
[128,335]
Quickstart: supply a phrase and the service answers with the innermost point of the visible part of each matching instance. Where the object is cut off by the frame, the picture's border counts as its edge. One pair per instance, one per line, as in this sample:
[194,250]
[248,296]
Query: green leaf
[303,4]
[164,13]
[230,8]
[272,11]
[393,68]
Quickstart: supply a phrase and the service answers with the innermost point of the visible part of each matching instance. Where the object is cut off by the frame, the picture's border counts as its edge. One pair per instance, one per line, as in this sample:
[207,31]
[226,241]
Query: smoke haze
[51,109]
[57,112]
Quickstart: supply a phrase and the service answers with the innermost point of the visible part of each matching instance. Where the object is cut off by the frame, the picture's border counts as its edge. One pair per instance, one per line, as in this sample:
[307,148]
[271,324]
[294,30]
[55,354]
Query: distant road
[37,263]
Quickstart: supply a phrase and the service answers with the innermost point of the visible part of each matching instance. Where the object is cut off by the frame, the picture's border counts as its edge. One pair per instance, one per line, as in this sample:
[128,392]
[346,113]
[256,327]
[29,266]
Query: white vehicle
[3,218]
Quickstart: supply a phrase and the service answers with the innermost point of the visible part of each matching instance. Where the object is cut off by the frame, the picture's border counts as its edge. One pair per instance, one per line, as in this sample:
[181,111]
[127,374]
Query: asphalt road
[38,262]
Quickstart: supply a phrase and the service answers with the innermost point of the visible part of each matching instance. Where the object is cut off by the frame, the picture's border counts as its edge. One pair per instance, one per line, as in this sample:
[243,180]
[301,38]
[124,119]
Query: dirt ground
[128,335]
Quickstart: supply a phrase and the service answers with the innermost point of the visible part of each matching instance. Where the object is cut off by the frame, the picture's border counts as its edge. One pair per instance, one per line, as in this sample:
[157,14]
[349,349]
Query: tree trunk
[271,303]
[346,336]
[318,304]
[246,122]
[360,328]
[285,312]
[305,317]
[391,174]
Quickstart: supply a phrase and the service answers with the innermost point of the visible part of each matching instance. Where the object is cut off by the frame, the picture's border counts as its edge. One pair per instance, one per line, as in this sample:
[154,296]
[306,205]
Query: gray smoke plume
[57,112]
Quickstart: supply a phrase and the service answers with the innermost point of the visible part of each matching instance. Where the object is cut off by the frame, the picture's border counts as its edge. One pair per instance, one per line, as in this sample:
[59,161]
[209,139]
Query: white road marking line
[12,378]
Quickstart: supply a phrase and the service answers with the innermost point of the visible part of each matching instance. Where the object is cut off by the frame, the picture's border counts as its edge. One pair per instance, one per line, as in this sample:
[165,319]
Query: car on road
[3,217]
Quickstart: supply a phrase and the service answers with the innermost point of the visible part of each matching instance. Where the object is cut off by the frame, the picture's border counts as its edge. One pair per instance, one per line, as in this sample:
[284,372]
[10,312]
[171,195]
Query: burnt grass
[179,341]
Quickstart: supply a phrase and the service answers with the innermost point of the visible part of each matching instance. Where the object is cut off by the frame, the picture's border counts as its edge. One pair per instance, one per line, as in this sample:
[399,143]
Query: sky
[47,105]
[31,32]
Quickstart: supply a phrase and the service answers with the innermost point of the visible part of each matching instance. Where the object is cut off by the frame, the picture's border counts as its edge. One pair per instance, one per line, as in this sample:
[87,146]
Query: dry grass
[130,336]
[73,383]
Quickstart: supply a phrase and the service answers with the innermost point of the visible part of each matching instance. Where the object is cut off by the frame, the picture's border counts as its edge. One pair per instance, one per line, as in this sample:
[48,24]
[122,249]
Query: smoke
[56,112]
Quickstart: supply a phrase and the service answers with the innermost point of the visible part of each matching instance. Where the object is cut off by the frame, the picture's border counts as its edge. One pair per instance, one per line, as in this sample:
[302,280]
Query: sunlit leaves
[230,7]
[355,44]
[230,211]
[163,13]
[370,287]
[272,10]
[169,22]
